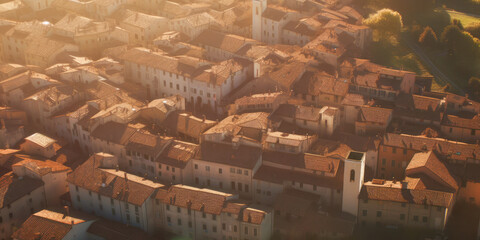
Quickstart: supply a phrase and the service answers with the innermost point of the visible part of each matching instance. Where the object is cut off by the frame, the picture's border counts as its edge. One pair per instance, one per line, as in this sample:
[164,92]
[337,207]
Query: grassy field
[465,18]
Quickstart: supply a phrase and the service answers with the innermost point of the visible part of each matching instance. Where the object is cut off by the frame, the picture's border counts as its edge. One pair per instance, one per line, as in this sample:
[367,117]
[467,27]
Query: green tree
[474,29]
[386,22]
[474,87]
[457,23]
[450,35]
[428,38]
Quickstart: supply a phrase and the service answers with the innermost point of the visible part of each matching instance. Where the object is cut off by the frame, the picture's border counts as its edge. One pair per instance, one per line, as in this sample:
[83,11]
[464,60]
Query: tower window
[352,175]
[256,10]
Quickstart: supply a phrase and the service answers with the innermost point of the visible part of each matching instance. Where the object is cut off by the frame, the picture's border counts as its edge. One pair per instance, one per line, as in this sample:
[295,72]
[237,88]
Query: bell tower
[353,178]
[258,7]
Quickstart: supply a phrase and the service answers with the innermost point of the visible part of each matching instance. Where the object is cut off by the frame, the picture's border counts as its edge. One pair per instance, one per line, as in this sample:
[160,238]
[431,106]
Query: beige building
[59,225]
[201,83]
[52,174]
[96,186]
[323,121]
[200,213]
[19,197]
[143,28]
[226,168]
[423,200]
[39,144]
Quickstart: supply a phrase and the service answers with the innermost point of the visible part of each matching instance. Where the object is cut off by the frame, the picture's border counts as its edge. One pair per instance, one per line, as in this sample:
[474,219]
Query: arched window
[352,175]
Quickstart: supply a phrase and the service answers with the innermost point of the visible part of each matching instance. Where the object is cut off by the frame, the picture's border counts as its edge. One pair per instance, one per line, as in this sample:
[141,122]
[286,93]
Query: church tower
[353,177]
[258,7]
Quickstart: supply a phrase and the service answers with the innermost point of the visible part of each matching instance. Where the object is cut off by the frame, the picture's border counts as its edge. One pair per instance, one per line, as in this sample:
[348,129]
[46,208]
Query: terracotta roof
[352,99]
[454,121]
[12,188]
[278,176]
[43,167]
[178,154]
[287,74]
[254,216]
[394,192]
[250,125]
[444,148]
[40,139]
[316,83]
[311,162]
[142,20]
[187,124]
[52,96]
[375,115]
[243,156]
[49,224]
[15,82]
[227,42]
[429,164]
[147,143]
[262,98]
[118,184]
[197,199]
[275,14]
[111,230]
[113,132]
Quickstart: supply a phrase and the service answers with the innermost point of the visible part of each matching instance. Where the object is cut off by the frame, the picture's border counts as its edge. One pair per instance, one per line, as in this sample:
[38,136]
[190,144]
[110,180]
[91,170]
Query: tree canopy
[428,37]
[385,21]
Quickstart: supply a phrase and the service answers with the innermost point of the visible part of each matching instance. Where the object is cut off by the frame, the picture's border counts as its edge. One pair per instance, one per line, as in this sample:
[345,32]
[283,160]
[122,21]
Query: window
[204,215]
[220,184]
[472,132]
[364,213]
[207,168]
[113,211]
[224,226]
[404,151]
[179,222]
[393,163]
[404,204]
[190,224]
[255,232]
[137,219]
[235,228]
[10,215]
[168,207]
[384,161]
[179,210]
[245,172]
[196,180]
[220,170]
[204,227]
[214,229]
[239,171]
[246,230]
[239,186]
[169,220]
[196,166]
[214,217]
[232,170]
[246,188]
[415,218]
[379,213]
[352,175]
[394,150]
[233,185]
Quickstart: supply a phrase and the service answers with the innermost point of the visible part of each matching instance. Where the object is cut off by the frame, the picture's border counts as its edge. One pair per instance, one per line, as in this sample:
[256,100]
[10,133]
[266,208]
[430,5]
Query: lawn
[465,18]
[396,55]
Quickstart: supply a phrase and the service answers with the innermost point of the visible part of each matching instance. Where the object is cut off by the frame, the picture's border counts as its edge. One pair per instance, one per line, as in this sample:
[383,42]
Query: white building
[353,178]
